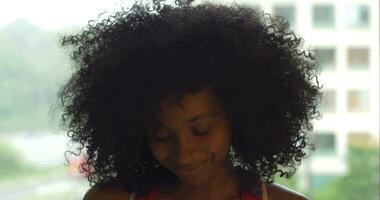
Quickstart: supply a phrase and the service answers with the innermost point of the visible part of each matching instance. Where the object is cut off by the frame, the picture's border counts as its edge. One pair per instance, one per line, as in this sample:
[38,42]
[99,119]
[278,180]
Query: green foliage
[13,168]
[362,181]
[10,164]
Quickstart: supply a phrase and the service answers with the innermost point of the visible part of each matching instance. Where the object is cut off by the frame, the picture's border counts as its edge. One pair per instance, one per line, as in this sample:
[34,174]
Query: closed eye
[197,132]
[201,127]
[160,133]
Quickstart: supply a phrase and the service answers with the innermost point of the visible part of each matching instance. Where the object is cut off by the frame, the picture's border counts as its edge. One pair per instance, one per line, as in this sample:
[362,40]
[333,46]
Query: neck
[224,185]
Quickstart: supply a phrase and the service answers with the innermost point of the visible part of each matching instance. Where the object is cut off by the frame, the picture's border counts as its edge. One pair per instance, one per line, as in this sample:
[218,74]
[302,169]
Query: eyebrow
[199,116]
[192,119]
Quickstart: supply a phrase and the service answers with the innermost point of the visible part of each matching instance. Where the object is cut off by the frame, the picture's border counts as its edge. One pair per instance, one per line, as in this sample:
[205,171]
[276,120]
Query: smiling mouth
[191,170]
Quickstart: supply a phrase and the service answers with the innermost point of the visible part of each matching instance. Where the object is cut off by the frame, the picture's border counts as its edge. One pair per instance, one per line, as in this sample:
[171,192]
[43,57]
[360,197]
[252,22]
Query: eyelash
[167,137]
[200,133]
[161,139]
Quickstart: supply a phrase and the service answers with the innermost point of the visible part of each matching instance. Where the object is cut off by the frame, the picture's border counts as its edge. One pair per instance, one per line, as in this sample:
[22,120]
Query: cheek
[160,152]
[219,143]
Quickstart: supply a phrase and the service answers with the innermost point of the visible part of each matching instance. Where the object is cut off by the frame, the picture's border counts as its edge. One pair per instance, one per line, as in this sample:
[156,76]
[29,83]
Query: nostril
[185,158]
[185,155]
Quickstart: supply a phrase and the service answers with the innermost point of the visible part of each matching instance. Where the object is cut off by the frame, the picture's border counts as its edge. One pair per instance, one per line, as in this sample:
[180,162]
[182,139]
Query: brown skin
[279,192]
[275,192]
[195,133]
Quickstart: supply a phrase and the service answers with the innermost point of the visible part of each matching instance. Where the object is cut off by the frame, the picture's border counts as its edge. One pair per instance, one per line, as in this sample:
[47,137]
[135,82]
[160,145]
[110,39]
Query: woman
[201,102]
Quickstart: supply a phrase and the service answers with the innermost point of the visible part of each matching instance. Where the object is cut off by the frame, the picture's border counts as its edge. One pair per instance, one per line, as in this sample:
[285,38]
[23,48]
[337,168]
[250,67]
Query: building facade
[344,34]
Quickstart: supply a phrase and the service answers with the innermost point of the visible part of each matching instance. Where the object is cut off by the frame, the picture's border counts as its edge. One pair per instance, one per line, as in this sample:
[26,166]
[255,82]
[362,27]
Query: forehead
[191,104]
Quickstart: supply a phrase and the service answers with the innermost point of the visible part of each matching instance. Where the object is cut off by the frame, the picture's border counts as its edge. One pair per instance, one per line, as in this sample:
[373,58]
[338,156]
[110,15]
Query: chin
[194,182]
[201,179]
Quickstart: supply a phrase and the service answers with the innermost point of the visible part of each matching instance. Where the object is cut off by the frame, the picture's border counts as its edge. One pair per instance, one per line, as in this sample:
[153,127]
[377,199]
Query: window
[326,58]
[360,139]
[329,101]
[358,58]
[358,101]
[323,16]
[358,16]
[324,142]
[286,11]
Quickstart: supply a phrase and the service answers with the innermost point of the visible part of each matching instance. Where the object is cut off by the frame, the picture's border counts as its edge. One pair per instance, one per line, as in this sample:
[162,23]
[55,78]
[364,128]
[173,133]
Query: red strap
[151,196]
[249,196]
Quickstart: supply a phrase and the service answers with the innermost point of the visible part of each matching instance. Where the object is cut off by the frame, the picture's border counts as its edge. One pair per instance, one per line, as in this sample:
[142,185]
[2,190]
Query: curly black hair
[127,63]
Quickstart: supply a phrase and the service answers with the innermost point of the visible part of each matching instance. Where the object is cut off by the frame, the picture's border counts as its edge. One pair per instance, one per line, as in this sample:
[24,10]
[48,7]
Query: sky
[56,14]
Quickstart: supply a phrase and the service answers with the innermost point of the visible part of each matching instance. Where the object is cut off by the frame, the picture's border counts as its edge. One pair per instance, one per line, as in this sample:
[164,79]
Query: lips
[191,170]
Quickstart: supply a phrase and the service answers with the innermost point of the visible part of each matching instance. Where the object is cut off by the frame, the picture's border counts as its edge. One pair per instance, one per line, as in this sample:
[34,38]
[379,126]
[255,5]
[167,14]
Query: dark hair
[127,63]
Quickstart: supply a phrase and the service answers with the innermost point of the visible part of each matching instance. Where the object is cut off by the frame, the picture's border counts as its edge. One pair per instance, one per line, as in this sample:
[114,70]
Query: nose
[185,149]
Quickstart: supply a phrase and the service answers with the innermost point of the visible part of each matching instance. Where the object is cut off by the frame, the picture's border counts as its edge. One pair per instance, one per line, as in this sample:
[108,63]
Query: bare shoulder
[106,194]
[279,192]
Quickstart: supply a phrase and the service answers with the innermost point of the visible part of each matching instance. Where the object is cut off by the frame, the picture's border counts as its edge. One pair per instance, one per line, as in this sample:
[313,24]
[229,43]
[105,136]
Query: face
[192,138]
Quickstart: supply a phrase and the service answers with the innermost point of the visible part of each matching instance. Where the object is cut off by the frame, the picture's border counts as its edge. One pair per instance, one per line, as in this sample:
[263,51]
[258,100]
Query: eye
[201,128]
[160,133]
[200,132]
[161,136]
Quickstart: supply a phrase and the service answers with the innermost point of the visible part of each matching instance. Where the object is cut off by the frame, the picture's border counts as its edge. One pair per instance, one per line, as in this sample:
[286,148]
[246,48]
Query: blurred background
[343,33]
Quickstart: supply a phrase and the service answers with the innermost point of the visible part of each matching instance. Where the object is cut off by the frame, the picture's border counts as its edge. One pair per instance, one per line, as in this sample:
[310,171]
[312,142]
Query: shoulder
[105,194]
[277,192]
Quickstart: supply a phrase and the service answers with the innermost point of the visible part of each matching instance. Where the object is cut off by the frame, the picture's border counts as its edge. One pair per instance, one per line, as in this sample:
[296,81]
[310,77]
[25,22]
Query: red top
[243,196]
